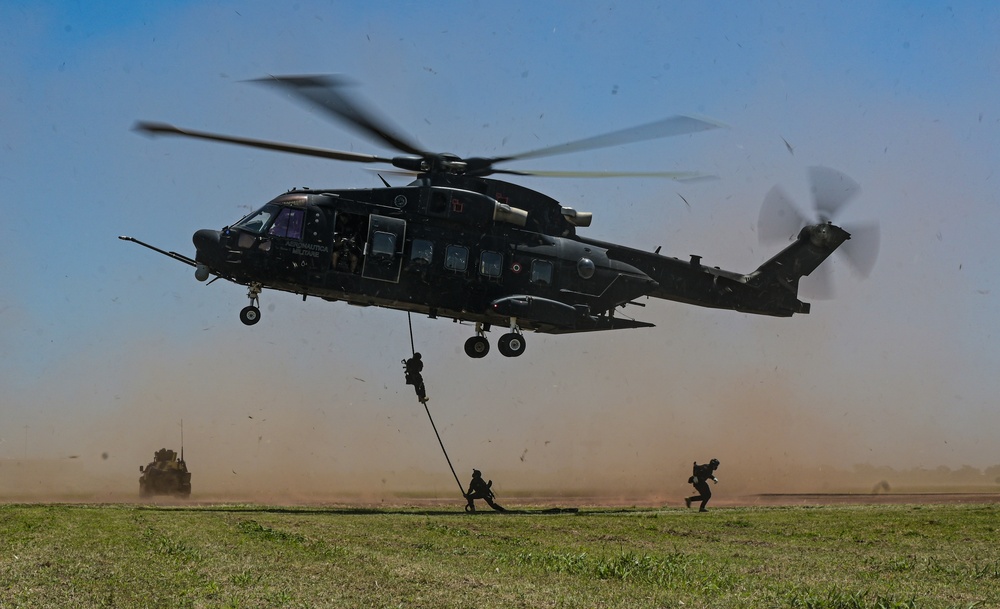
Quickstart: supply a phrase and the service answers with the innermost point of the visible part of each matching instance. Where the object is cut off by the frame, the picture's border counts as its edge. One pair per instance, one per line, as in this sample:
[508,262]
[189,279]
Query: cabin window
[256,221]
[383,245]
[541,272]
[456,258]
[422,251]
[490,264]
[288,223]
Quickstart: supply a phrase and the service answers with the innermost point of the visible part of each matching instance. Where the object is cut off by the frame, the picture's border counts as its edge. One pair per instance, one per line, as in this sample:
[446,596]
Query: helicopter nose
[208,244]
[206,240]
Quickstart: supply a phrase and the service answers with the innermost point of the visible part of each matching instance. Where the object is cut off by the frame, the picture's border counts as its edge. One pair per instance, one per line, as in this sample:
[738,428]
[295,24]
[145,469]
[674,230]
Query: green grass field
[877,556]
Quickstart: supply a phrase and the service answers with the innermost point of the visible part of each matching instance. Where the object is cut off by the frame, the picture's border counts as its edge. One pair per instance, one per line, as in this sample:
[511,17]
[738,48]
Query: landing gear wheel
[511,344]
[477,347]
[250,315]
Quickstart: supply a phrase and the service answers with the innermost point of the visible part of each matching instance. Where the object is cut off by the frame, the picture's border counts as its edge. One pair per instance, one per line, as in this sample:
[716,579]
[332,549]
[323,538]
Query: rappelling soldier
[699,478]
[478,489]
[413,367]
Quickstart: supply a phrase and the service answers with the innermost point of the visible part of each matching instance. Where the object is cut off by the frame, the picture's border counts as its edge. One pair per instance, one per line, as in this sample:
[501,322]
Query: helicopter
[458,243]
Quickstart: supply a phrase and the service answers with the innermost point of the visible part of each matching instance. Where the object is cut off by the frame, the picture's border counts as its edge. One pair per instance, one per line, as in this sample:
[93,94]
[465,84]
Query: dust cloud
[610,428]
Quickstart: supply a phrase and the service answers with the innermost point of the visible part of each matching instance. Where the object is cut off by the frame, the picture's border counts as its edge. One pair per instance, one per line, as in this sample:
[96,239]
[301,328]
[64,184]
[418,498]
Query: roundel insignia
[516,267]
[400,201]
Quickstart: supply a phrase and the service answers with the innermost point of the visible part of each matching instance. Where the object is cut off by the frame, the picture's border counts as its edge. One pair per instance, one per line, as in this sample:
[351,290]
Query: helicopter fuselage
[479,250]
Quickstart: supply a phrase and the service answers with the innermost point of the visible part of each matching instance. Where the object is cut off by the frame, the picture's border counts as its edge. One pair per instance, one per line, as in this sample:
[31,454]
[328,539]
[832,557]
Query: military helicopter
[456,243]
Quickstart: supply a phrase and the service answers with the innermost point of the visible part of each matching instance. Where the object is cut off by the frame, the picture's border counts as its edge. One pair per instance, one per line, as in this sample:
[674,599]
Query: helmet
[476,473]
[714,462]
[416,356]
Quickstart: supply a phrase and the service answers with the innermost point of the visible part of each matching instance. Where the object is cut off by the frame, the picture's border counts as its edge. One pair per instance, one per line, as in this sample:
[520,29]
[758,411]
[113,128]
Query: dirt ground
[718,501]
[773,499]
[855,499]
[541,503]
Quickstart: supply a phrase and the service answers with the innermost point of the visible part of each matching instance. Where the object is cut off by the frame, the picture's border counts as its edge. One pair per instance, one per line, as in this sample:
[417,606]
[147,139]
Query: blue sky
[107,346]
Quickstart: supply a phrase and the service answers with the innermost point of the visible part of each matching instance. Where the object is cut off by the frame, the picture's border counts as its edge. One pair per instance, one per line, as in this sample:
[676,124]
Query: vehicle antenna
[182,439]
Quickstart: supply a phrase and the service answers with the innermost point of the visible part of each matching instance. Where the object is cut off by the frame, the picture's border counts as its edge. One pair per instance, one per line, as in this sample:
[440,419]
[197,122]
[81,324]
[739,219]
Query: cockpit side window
[257,221]
[288,223]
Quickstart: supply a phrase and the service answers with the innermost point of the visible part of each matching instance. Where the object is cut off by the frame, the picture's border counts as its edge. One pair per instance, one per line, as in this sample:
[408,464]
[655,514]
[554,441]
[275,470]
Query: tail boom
[772,289]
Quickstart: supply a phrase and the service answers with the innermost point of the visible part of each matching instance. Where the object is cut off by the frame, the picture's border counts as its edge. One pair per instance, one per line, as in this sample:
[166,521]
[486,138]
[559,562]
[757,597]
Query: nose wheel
[251,314]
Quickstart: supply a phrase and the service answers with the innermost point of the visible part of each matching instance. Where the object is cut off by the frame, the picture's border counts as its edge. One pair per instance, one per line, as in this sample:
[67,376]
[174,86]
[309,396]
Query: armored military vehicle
[166,475]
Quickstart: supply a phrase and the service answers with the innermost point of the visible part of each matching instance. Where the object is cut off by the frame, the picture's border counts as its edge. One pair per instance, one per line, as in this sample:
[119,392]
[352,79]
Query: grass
[844,557]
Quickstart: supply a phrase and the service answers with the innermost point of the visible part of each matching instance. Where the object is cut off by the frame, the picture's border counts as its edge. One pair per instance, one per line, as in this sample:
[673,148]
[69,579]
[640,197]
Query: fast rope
[409,320]
[431,419]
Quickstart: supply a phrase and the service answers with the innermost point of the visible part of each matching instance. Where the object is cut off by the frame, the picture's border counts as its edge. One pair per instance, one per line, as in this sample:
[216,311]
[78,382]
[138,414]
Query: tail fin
[814,245]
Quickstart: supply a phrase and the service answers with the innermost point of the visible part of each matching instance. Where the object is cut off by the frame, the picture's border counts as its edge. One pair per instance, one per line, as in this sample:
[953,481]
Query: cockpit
[258,220]
[275,220]
[285,216]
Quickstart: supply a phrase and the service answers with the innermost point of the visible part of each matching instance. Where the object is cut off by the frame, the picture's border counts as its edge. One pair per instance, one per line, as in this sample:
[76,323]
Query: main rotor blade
[668,127]
[326,92]
[831,190]
[673,175]
[779,219]
[154,129]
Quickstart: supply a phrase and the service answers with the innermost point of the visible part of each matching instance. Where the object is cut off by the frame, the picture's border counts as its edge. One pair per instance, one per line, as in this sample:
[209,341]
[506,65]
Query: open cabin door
[384,248]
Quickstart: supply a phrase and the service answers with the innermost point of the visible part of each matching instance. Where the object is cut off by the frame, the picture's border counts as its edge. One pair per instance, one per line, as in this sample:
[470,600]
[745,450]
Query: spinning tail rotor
[781,221]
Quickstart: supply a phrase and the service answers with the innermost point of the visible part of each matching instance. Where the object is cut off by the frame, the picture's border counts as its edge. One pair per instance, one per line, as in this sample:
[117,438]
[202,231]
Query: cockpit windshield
[259,220]
[288,223]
